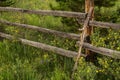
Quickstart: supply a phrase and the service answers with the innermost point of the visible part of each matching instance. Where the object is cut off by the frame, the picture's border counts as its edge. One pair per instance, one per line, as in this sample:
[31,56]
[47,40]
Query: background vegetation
[22,62]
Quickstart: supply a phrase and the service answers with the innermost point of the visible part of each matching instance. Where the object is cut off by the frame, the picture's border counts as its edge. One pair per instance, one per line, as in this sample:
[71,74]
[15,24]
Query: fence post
[90,55]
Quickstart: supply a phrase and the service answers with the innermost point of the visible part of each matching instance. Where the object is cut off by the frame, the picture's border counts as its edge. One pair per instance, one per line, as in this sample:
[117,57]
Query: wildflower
[16,31]
[45,56]
[111,60]
[1,69]
[97,71]
[118,48]
[100,70]
[81,58]
[88,70]
[106,66]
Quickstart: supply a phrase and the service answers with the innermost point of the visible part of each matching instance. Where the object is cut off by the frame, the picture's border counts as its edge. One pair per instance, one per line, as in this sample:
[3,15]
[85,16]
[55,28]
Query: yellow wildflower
[97,71]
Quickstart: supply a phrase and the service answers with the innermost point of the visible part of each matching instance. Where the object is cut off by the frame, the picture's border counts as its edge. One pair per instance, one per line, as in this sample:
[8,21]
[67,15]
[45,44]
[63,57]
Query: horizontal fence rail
[46,47]
[44,30]
[102,24]
[45,12]
[101,50]
[105,25]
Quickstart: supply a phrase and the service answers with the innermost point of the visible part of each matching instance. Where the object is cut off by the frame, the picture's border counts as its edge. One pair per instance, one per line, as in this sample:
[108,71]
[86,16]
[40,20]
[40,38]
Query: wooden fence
[100,50]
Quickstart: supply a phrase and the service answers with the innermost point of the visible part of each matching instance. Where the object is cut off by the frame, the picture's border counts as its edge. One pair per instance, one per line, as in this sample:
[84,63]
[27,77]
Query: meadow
[23,62]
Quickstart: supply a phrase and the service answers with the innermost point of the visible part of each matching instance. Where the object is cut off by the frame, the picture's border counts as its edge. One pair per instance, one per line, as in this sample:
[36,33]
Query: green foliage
[78,5]
[107,70]
[6,2]
[105,3]
[22,62]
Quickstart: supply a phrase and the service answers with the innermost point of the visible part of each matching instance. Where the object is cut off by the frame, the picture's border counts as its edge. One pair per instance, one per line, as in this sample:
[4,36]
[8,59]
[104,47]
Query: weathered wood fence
[100,50]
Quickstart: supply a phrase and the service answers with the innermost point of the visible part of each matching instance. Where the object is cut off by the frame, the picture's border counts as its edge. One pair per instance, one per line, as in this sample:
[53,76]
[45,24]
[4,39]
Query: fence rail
[105,25]
[44,30]
[46,47]
[63,14]
[45,12]
[101,50]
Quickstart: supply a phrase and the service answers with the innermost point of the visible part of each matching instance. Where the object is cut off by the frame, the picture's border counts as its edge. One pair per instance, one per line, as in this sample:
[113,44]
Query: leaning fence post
[82,38]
